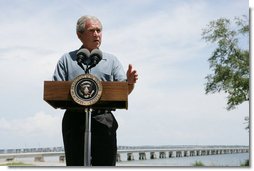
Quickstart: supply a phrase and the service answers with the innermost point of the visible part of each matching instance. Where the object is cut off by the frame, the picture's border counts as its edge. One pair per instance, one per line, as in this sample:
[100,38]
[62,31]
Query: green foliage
[229,63]
[16,164]
[246,163]
[247,119]
[198,163]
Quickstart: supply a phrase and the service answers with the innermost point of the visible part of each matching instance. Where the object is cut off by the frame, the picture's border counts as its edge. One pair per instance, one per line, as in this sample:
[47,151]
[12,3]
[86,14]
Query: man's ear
[79,35]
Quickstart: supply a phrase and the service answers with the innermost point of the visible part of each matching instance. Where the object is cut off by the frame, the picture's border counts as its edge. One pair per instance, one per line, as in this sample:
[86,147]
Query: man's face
[91,37]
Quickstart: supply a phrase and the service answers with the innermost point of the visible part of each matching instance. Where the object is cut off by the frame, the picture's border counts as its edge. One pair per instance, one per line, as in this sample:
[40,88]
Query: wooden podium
[114,96]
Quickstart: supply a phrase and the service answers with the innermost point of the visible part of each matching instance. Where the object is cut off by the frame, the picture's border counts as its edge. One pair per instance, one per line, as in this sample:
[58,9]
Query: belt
[101,111]
[94,111]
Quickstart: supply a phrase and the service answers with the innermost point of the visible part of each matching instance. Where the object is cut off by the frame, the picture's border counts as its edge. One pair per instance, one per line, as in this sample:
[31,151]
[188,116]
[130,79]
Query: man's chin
[93,47]
[96,45]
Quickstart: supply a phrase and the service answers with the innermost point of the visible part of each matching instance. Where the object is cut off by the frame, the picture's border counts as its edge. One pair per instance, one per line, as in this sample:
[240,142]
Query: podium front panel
[114,95]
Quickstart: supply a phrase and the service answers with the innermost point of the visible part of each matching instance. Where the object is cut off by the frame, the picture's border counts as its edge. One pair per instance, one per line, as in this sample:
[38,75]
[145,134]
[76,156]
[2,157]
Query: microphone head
[84,52]
[82,55]
[96,56]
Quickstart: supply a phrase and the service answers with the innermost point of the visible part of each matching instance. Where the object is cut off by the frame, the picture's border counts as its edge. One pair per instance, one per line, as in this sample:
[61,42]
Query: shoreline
[227,160]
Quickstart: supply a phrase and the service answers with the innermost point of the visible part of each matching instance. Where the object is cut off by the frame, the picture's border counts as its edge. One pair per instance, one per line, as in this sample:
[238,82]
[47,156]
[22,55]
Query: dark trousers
[103,140]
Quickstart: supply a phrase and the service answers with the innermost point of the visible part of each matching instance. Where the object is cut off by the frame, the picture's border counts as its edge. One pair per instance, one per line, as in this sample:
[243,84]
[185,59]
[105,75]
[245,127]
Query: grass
[246,163]
[198,163]
[15,164]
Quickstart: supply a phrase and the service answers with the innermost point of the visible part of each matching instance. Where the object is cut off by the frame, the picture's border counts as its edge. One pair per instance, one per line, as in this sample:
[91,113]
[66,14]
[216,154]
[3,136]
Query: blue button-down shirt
[108,69]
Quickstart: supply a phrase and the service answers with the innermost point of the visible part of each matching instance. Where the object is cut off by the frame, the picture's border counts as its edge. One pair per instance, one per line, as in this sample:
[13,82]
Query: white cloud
[181,117]
[38,130]
[40,123]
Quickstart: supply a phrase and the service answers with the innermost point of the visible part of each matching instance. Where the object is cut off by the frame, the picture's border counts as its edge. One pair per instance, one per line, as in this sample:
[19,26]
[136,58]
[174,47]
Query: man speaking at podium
[103,123]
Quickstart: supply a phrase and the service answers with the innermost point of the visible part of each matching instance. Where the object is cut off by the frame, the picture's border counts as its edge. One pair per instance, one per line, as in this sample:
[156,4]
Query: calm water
[212,160]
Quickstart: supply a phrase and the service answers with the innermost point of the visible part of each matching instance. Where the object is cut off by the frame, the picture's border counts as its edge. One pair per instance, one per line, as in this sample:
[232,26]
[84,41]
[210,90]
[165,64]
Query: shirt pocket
[102,75]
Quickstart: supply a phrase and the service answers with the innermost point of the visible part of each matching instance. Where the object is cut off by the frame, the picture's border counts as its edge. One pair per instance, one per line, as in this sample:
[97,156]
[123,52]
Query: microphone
[95,56]
[83,56]
[88,59]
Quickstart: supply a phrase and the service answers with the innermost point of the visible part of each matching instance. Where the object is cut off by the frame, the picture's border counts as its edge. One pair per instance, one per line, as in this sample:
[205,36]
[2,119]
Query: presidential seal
[86,89]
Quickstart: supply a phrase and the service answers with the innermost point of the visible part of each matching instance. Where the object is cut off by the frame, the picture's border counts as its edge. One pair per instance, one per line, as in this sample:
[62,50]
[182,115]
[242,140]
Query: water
[210,160]
[222,160]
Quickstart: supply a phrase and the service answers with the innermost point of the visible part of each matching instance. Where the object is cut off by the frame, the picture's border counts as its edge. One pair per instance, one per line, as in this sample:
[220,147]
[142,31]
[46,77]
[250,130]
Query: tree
[229,62]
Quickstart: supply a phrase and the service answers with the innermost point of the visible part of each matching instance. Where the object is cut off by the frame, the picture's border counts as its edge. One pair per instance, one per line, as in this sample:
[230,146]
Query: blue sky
[162,39]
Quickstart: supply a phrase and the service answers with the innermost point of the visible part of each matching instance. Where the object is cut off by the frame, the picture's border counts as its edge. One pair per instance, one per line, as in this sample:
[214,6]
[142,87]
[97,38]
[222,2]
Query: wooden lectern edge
[57,94]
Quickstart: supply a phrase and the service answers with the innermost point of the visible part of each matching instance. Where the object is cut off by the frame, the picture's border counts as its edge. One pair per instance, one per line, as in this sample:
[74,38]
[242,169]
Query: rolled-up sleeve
[118,71]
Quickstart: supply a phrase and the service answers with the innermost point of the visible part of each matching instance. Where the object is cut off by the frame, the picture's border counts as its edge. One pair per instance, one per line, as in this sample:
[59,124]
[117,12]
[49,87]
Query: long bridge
[128,153]
[144,153]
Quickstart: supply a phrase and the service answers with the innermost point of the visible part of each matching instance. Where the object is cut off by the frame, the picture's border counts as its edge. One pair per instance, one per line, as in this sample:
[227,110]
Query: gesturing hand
[132,75]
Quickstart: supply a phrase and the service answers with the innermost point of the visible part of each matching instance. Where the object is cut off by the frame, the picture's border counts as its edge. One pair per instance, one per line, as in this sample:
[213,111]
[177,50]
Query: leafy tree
[229,62]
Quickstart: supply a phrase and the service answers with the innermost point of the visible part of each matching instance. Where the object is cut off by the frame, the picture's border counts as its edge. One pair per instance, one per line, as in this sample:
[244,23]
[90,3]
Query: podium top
[114,95]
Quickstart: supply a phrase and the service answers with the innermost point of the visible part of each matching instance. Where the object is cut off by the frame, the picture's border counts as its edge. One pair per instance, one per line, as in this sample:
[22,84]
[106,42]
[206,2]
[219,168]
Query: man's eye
[93,30]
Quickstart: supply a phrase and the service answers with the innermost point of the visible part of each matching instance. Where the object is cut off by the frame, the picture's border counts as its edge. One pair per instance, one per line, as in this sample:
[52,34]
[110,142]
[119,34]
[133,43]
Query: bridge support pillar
[153,155]
[39,158]
[130,157]
[198,152]
[162,155]
[118,157]
[142,156]
[173,153]
[192,153]
[186,153]
[61,159]
[170,154]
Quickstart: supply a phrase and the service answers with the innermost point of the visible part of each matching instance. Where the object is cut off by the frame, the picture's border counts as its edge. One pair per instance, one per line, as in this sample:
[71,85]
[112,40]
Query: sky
[160,38]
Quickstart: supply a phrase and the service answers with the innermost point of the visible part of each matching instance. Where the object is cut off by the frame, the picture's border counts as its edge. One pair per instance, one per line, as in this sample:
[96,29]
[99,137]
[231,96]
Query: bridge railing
[128,154]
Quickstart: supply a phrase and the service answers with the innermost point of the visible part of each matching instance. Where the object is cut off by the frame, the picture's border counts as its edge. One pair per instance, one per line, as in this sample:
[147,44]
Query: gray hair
[81,23]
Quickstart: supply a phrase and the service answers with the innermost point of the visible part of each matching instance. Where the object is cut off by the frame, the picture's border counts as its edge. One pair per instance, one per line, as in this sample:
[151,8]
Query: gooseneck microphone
[95,57]
[83,57]
[90,60]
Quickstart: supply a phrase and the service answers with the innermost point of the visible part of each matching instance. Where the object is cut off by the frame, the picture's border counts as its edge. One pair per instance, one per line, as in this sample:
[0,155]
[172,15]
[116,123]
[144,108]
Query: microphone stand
[88,113]
[87,136]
